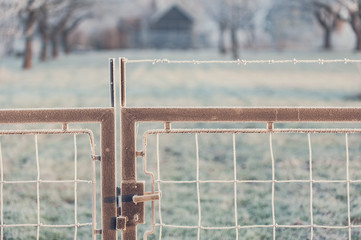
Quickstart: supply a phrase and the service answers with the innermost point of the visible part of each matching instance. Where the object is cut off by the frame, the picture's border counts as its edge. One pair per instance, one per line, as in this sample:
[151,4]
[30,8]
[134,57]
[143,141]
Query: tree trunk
[44,31]
[327,40]
[358,42]
[356,27]
[234,41]
[221,42]
[29,31]
[28,55]
[55,47]
[65,43]
[44,48]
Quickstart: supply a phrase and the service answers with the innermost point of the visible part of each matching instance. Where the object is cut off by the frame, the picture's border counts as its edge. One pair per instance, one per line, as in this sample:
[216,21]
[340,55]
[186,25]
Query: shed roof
[160,15]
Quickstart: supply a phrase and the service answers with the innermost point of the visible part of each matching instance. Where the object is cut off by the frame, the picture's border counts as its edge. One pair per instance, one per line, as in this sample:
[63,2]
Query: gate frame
[106,118]
[133,212]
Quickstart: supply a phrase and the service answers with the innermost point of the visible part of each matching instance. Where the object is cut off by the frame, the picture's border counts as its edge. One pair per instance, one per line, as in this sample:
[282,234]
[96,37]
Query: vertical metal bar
[128,172]
[109,178]
[75,188]
[112,77]
[37,186]
[1,195]
[122,83]
[311,184]
[128,147]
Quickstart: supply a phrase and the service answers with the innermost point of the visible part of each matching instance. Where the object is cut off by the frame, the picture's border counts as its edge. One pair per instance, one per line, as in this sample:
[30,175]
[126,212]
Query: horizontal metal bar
[250,130]
[256,226]
[285,114]
[55,115]
[46,181]
[47,225]
[45,131]
[255,181]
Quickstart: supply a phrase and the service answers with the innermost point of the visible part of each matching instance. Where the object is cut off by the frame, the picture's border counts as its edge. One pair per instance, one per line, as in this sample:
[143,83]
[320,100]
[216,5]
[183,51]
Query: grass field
[82,81]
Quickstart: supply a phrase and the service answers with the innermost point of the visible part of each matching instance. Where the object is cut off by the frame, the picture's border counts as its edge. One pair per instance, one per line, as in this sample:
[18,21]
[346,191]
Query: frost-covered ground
[82,81]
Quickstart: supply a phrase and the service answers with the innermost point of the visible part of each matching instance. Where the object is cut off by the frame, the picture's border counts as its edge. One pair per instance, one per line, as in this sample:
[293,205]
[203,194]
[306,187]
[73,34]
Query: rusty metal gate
[106,118]
[124,214]
[132,190]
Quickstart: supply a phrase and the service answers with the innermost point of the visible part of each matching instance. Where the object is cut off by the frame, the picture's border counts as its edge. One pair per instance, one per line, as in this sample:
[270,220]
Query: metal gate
[106,119]
[132,190]
[126,217]
[134,212]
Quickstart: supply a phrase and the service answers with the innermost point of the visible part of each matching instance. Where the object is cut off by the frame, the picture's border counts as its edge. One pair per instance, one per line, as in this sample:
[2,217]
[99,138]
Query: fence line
[244,61]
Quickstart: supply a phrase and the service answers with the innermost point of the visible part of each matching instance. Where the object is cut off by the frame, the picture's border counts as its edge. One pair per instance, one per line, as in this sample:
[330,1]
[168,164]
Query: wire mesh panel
[226,189]
[267,183]
[48,187]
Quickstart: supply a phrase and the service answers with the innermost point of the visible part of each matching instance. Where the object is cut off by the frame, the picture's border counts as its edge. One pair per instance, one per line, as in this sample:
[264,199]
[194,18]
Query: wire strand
[245,62]
[75,188]
[159,203]
[348,188]
[37,185]
[235,183]
[311,183]
[198,192]
[1,194]
[273,187]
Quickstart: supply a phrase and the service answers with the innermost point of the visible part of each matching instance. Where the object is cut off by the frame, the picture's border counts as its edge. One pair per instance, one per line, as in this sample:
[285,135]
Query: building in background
[171,28]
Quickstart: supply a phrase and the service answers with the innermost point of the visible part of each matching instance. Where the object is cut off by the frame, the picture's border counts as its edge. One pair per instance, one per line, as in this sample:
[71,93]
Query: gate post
[109,176]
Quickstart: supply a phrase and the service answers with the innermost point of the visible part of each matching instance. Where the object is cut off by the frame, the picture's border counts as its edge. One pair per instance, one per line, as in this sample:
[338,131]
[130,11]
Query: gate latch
[148,196]
[133,197]
[121,223]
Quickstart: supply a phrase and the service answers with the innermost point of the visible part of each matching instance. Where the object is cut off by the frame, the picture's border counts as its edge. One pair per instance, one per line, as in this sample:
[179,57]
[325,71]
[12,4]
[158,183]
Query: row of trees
[51,20]
[235,15]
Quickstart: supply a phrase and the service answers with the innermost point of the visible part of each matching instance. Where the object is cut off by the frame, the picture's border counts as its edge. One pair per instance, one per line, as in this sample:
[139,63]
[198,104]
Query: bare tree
[10,27]
[234,15]
[44,30]
[69,14]
[62,13]
[242,17]
[354,17]
[70,27]
[29,17]
[327,13]
[220,13]
[291,23]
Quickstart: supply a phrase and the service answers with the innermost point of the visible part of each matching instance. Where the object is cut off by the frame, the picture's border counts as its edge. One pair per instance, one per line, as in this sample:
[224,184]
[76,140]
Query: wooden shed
[171,28]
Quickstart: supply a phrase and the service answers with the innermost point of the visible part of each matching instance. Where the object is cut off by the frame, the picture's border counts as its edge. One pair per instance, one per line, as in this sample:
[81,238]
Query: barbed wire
[244,61]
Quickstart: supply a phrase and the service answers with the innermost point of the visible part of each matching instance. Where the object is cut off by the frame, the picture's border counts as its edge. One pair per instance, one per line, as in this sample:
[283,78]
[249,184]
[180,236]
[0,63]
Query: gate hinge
[96,157]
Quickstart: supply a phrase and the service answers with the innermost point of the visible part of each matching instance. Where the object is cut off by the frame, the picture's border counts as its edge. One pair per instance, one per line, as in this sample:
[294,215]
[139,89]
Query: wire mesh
[312,225]
[39,225]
